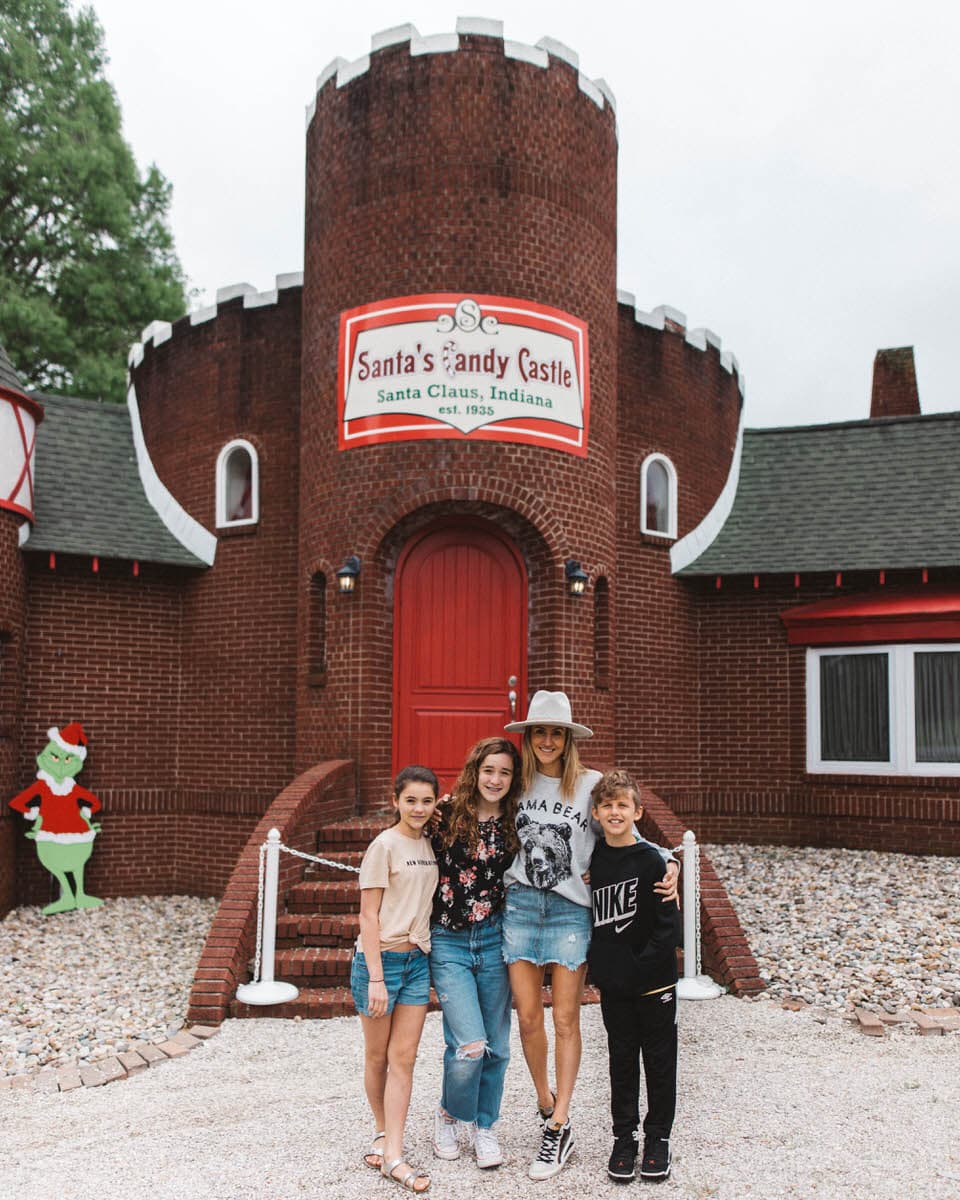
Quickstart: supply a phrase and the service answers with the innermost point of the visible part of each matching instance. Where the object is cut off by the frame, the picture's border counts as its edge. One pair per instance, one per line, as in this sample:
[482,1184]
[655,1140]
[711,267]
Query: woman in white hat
[547,917]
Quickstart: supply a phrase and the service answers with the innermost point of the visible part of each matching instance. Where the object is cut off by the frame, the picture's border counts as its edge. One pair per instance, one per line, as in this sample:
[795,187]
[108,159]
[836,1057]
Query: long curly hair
[460,814]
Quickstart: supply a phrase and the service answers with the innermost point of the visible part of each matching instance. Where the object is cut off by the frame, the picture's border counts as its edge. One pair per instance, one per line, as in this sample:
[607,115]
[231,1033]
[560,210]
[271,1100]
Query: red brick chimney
[894,384]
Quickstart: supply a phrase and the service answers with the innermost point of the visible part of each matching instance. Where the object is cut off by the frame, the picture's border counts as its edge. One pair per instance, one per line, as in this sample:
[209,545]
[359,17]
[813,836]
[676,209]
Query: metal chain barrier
[256,960]
[324,862]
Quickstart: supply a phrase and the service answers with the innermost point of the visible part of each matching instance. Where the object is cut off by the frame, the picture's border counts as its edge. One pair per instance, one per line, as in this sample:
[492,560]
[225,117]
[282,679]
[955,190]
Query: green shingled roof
[88,495]
[8,376]
[861,495]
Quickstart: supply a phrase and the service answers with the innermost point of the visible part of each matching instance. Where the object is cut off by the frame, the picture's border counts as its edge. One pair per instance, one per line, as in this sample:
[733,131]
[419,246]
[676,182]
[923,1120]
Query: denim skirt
[543,927]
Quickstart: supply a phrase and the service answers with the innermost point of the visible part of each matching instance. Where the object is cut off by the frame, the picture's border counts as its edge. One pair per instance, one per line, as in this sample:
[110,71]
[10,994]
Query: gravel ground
[82,985]
[848,928]
[771,1105]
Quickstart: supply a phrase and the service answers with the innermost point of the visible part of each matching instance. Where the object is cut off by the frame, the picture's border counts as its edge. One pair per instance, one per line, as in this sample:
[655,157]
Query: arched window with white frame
[238,484]
[658,496]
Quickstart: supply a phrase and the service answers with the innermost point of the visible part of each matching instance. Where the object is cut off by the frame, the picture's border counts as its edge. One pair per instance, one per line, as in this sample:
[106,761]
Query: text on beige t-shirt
[406,869]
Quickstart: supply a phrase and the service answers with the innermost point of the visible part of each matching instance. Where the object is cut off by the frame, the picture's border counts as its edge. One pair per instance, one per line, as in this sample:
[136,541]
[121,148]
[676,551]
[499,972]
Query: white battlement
[448,43]
[158,332]
[699,338]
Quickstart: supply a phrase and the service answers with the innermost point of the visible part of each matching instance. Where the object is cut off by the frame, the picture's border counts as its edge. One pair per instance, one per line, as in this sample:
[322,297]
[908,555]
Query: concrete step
[316,896]
[349,858]
[333,929]
[354,833]
[314,966]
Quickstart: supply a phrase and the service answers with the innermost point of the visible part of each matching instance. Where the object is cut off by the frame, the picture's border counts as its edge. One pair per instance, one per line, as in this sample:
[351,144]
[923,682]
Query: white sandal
[409,1179]
[373,1152]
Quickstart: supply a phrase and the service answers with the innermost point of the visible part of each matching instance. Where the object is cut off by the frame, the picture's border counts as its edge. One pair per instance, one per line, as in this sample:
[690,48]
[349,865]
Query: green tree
[86,253]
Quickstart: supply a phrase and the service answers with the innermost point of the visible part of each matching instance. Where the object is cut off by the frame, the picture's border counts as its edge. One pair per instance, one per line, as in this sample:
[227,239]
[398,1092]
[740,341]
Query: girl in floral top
[474,845]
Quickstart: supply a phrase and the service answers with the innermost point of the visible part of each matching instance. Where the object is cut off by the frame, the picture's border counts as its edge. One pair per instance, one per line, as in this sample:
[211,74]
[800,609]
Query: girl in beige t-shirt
[390,975]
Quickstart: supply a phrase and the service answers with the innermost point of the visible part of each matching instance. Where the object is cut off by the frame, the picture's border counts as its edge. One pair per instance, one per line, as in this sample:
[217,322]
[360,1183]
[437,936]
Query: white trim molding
[188,532]
[692,544]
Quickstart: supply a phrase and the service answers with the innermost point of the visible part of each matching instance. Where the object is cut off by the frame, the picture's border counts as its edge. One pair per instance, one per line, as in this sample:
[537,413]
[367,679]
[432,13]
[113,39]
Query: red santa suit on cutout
[62,806]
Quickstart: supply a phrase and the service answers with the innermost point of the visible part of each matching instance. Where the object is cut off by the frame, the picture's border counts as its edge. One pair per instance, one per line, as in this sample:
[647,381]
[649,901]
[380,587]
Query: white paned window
[238,484]
[658,496]
[884,710]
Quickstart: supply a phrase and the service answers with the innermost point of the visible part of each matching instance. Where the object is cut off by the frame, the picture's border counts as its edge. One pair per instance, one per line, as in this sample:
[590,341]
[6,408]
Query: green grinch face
[59,763]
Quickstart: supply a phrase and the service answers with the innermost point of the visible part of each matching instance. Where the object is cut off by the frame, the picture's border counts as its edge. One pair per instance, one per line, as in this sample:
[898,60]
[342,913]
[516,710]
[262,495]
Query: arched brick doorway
[460,637]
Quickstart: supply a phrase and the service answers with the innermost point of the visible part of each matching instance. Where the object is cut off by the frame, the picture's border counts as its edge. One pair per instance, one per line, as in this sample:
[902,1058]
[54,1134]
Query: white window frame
[222,459]
[671,470]
[902,712]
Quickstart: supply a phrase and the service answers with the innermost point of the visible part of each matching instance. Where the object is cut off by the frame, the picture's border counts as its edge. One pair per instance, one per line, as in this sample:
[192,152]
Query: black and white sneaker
[555,1148]
[655,1164]
[623,1157]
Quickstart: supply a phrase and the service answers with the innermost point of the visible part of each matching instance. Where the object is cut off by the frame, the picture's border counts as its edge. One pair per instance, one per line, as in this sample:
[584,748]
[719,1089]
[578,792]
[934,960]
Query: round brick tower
[466,165]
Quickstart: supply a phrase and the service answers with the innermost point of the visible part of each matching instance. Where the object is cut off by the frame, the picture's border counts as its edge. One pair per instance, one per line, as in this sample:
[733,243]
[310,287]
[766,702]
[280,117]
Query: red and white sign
[474,368]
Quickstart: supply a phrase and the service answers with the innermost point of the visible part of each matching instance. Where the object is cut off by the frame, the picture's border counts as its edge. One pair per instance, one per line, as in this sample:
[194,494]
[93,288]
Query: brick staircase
[317,926]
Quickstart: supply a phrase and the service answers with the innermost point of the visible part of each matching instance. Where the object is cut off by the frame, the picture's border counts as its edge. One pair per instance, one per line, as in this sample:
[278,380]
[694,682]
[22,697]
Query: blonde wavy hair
[573,768]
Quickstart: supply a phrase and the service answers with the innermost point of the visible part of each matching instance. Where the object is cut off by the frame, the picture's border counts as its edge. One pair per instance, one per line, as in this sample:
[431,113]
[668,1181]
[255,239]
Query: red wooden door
[459,644]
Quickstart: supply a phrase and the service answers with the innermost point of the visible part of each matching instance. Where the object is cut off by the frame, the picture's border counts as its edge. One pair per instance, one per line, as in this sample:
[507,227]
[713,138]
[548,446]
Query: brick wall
[106,649]
[236,376]
[678,401]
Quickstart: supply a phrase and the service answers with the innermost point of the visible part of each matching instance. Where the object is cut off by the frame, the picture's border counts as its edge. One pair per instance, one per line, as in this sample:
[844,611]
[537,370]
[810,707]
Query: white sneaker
[555,1146]
[488,1149]
[445,1143]
[467,1133]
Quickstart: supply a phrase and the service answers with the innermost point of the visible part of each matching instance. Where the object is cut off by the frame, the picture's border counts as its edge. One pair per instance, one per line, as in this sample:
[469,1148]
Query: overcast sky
[789,172]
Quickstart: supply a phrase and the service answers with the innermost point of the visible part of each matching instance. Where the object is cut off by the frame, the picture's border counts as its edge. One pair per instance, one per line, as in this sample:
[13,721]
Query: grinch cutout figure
[61,810]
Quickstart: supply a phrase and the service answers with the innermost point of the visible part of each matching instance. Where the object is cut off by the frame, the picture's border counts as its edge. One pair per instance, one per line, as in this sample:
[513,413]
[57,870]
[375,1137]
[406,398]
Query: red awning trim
[847,620]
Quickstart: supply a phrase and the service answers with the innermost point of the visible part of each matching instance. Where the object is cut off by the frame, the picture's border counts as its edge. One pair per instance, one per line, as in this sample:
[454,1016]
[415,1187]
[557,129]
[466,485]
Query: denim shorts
[405,972]
[543,927]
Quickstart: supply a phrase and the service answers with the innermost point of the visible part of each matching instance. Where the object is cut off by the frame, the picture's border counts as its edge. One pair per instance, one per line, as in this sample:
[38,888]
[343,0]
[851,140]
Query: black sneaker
[555,1148]
[655,1164]
[623,1157]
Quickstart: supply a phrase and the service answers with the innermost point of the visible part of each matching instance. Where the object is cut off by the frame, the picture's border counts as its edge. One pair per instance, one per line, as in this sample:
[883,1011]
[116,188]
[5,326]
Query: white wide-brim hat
[550,708]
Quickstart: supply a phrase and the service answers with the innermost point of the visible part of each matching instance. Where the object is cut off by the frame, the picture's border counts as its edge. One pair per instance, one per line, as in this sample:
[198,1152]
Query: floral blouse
[470,887]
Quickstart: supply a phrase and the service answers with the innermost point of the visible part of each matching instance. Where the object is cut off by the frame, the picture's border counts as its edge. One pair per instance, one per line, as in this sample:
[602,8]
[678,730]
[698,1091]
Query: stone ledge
[108,1070]
[926,1022]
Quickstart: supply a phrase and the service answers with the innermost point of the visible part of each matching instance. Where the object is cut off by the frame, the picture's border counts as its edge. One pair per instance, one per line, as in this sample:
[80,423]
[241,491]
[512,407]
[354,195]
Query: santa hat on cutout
[71,738]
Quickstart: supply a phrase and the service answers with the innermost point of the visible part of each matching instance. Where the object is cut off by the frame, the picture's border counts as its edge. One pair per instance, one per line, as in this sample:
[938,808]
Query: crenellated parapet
[340,72]
[664,318]
[158,332]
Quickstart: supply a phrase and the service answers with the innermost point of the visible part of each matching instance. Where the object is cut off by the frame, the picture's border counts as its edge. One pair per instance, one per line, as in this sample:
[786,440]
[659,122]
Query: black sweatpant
[642,1026]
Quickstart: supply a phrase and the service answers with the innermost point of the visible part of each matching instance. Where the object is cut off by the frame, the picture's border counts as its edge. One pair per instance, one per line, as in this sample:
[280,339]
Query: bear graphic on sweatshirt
[546,851]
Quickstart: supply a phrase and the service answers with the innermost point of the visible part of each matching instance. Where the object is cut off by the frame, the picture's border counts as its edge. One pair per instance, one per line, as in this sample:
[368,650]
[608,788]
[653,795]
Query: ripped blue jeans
[473,987]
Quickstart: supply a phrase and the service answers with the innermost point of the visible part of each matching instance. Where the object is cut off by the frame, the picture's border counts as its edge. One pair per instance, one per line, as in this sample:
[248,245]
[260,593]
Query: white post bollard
[267,990]
[693,986]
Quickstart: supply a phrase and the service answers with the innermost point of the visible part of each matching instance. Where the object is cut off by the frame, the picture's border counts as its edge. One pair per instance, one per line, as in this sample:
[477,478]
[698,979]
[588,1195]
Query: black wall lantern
[577,577]
[348,574]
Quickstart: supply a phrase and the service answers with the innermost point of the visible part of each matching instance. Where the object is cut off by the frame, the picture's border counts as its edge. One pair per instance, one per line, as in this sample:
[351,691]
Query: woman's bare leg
[567,989]
[526,983]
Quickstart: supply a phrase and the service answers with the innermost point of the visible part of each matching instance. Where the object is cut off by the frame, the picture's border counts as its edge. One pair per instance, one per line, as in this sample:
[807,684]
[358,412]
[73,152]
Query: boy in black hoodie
[633,962]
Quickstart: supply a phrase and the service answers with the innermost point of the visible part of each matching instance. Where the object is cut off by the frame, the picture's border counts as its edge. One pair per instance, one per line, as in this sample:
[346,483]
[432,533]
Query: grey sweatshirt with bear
[557,838]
